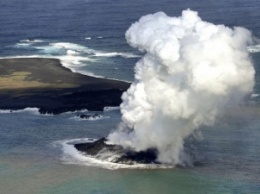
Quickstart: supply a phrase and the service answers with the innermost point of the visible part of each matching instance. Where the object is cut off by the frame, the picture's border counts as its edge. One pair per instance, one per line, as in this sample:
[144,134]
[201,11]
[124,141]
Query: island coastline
[45,84]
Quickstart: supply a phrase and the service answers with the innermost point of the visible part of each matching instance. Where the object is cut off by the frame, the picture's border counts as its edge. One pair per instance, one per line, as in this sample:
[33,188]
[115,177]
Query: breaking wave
[27,43]
[32,40]
[90,118]
[254,48]
[116,54]
[111,108]
[254,95]
[31,110]
[73,56]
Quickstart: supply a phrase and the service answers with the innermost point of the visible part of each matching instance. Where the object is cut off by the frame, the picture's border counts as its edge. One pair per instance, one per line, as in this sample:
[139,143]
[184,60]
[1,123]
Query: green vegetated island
[47,85]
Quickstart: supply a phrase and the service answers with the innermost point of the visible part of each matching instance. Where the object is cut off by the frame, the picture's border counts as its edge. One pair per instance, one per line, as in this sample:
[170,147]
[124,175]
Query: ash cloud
[191,70]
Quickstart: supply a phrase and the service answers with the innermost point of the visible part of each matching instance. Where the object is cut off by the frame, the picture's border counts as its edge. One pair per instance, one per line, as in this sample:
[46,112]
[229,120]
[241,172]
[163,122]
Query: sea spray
[191,70]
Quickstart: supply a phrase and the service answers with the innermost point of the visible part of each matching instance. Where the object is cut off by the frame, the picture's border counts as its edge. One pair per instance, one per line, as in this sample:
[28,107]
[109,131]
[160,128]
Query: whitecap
[34,111]
[19,45]
[71,46]
[115,54]
[76,111]
[48,49]
[71,55]
[61,48]
[29,109]
[254,48]
[27,42]
[111,108]
[254,95]
[91,118]
[72,61]
[32,40]
[71,52]
[5,111]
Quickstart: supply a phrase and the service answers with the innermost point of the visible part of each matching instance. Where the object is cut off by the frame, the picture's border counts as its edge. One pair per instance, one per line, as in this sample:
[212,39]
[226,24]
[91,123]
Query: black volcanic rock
[89,116]
[95,147]
[54,89]
[116,153]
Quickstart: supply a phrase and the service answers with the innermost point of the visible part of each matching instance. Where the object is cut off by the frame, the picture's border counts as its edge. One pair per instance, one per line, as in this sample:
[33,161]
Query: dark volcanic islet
[116,153]
[46,84]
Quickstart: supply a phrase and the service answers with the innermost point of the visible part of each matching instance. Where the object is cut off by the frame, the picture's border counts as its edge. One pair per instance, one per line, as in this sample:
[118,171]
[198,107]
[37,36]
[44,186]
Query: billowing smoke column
[190,72]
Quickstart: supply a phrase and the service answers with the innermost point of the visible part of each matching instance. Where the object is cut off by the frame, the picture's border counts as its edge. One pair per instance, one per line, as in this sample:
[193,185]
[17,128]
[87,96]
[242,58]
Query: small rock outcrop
[117,154]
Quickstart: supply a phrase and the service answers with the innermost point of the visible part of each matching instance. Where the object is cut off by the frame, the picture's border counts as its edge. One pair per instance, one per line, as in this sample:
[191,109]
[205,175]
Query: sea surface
[88,37]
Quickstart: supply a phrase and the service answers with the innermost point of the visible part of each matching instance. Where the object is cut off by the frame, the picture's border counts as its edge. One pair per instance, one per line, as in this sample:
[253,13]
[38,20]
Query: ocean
[89,37]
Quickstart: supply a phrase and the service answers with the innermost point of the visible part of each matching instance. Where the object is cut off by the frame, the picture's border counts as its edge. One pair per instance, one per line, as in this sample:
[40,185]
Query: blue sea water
[88,37]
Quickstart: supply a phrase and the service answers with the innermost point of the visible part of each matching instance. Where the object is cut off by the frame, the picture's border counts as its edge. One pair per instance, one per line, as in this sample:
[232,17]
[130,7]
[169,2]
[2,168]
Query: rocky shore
[99,149]
[47,85]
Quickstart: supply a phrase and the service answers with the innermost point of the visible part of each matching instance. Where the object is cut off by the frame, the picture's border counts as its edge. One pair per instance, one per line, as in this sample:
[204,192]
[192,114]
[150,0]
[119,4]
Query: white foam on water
[72,49]
[254,48]
[32,40]
[50,50]
[61,48]
[34,111]
[111,108]
[88,38]
[71,55]
[72,156]
[72,61]
[72,46]
[115,54]
[254,95]
[72,52]
[76,111]
[91,118]
[29,109]
[27,43]
[5,111]
[19,45]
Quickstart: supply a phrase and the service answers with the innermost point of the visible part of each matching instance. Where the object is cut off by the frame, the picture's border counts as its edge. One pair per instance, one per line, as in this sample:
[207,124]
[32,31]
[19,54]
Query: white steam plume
[191,70]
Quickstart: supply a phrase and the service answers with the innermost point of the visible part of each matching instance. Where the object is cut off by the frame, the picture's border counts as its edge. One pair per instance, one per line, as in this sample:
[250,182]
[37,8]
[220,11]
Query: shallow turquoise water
[30,162]
[42,177]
